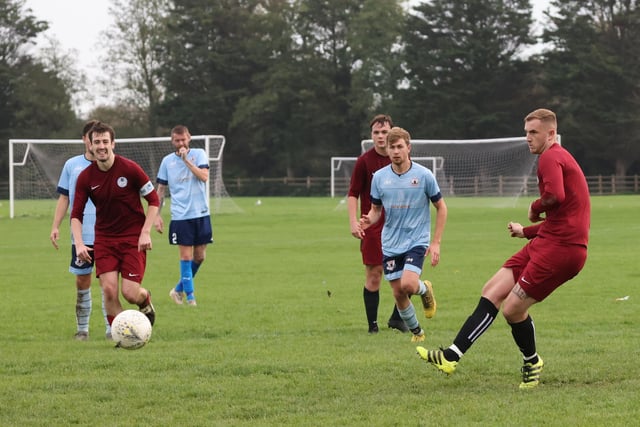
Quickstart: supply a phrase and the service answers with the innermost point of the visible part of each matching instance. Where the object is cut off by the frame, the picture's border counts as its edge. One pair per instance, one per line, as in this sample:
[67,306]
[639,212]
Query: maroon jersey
[116,194]
[568,220]
[360,186]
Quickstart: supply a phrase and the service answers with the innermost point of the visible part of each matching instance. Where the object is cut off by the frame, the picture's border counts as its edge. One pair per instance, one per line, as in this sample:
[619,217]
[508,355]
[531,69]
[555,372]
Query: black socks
[476,324]
[371,302]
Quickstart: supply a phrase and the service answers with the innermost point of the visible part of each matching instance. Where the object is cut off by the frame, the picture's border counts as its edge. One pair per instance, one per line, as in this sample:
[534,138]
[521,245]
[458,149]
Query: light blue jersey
[405,199]
[67,187]
[188,194]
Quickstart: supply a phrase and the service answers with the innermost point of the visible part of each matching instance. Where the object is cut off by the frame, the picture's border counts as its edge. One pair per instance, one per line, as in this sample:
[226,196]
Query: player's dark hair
[87,127]
[382,119]
[180,130]
[100,127]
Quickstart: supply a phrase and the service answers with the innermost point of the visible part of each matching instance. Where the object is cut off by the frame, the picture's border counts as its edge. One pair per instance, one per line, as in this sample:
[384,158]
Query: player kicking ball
[556,252]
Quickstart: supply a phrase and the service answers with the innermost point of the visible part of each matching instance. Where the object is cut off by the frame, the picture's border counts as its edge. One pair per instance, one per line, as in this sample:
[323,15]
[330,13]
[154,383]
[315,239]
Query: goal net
[342,168]
[498,167]
[35,166]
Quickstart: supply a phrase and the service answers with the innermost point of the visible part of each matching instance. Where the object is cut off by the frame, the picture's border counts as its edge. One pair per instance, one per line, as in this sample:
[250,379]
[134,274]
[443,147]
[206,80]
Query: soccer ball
[131,330]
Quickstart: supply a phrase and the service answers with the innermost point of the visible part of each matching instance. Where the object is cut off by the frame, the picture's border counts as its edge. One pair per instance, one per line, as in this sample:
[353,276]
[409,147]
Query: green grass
[267,346]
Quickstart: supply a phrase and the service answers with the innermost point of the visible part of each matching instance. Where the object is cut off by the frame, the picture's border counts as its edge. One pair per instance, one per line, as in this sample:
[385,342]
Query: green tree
[128,120]
[17,30]
[593,71]
[351,49]
[207,67]
[330,64]
[466,73]
[60,62]
[34,101]
[375,39]
[40,103]
[267,118]
[287,82]
[135,58]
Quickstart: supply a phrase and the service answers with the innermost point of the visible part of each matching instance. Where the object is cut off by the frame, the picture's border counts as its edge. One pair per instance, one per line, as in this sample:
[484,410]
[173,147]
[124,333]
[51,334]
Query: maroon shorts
[122,256]
[371,245]
[541,266]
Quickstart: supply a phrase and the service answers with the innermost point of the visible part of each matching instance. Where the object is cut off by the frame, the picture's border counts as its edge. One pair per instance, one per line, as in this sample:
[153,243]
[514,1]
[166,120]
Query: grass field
[268,346]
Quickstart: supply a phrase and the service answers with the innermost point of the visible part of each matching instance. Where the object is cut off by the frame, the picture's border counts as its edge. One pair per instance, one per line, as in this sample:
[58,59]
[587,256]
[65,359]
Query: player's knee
[373,280]
[514,313]
[131,295]
[83,281]
[110,293]
[372,286]
[407,287]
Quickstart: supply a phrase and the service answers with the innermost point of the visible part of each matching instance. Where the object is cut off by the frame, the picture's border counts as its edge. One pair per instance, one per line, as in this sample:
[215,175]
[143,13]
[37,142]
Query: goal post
[494,167]
[342,168]
[35,165]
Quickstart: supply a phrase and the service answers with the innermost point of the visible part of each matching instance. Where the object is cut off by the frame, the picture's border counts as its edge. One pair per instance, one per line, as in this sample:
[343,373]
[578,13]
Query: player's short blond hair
[545,116]
[397,133]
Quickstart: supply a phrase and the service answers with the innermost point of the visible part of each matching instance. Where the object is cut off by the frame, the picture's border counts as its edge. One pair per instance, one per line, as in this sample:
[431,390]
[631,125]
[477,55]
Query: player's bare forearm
[61,209]
[152,214]
[161,190]
[159,223]
[354,222]
[434,252]
[371,217]
[441,221]
[201,173]
[76,231]
[352,209]
[144,241]
[82,251]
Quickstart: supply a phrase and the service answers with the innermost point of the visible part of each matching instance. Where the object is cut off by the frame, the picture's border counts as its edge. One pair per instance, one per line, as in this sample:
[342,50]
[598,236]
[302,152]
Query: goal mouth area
[488,167]
[35,166]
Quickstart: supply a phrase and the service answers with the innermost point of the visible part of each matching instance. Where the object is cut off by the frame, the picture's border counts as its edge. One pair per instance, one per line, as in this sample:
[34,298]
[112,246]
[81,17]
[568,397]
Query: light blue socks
[83,309]
[186,278]
[409,316]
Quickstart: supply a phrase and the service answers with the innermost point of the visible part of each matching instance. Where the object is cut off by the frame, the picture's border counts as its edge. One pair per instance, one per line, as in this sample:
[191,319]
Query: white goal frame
[215,185]
[501,167]
[435,164]
[506,184]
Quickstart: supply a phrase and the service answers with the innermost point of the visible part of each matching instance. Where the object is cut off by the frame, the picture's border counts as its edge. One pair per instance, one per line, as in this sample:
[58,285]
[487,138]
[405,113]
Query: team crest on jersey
[414,181]
[391,265]
[122,182]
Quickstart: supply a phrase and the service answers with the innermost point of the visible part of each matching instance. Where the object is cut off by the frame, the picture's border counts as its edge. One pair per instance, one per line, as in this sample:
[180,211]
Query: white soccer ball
[131,330]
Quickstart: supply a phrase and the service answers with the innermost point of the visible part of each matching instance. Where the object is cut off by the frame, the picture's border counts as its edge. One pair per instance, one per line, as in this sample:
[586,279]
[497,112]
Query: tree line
[291,83]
